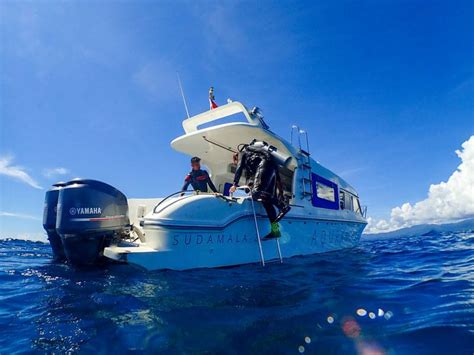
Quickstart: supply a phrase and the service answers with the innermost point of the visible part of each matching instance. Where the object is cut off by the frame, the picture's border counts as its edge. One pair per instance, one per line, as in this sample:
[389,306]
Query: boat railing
[298,133]
[193,193]
[181,193]
[364,211]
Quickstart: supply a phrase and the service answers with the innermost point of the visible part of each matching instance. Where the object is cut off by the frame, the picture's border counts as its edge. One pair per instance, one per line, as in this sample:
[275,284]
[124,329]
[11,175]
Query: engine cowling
[49,220]
[90,214]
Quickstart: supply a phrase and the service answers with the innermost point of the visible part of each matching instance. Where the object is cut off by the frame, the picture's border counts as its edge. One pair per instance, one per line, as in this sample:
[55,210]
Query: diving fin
[282,213]
[275,232]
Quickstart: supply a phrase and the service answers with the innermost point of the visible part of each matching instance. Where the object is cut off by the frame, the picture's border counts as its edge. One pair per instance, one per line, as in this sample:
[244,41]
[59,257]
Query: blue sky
[384,88]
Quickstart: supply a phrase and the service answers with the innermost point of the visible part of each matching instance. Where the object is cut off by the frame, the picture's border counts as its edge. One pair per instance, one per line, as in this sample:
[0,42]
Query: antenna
[182,94]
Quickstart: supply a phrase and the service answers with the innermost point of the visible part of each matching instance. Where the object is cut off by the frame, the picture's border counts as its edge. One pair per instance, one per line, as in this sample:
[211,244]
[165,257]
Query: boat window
[231,168]
[286,176]
[342,202]
[236,117]
[355,204]
[325,193]
[349,201]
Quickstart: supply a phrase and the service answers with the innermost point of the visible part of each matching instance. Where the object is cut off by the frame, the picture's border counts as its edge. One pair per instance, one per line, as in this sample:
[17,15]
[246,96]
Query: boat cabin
[216,136]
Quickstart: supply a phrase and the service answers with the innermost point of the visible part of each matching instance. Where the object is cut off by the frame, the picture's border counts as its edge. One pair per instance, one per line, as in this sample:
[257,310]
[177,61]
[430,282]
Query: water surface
[399,296]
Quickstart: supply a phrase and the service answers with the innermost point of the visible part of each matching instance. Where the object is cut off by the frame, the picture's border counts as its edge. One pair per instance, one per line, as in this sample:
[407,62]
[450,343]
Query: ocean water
[399,296]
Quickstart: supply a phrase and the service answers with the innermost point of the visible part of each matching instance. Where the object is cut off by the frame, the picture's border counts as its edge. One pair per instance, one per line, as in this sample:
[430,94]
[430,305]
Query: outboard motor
[49,221]
[90,215]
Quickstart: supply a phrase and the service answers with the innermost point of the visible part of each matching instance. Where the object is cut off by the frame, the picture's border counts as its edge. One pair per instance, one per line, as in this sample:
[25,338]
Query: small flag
[212,103]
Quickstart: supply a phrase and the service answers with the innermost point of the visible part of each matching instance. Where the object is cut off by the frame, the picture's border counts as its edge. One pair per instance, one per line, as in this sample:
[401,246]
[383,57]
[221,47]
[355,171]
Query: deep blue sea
[399,296]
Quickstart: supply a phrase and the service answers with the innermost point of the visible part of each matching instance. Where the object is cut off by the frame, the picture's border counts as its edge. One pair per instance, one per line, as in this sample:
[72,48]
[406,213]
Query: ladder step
[272,261]
[304,152]
[306,165]
[306,180]
[268,239]
[307,193]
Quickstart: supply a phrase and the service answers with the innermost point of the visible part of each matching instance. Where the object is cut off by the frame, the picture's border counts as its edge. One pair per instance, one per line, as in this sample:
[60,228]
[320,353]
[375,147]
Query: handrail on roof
[191,124]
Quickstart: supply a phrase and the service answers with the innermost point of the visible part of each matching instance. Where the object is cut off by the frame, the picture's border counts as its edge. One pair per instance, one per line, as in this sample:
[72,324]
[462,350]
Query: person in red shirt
[199,179]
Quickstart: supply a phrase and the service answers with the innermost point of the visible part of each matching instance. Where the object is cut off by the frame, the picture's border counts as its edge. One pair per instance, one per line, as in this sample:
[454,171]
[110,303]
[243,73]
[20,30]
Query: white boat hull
[181,249]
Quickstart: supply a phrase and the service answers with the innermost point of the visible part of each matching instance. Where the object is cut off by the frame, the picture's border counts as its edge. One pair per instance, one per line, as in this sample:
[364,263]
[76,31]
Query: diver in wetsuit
[263,178]
[199,179]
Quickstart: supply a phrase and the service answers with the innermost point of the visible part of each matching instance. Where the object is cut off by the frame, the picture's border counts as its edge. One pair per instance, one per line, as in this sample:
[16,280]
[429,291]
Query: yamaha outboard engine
[90,214]
[49,221]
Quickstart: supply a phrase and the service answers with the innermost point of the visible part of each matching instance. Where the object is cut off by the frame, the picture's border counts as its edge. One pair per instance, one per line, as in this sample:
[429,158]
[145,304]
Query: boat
[188,230]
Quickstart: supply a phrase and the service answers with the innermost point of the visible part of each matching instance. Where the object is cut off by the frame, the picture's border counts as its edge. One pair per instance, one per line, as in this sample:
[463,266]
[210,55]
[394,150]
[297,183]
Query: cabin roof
[216,144]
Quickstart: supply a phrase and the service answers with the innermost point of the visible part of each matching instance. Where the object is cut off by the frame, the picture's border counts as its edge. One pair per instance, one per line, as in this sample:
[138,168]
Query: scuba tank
[270,151]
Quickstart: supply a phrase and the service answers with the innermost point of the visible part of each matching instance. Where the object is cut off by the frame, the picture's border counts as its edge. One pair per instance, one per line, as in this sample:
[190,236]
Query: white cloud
[19,215]
[448,201]
[16,172]
[350,172]
[222,30]
[52,172]
[158,79]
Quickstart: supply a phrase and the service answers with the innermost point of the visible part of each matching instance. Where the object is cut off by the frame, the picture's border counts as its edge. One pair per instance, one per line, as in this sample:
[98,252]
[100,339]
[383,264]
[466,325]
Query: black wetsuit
[199,180]
[262,176]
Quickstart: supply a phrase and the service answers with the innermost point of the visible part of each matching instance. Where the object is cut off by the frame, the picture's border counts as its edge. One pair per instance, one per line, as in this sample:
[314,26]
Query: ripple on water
[403,296]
